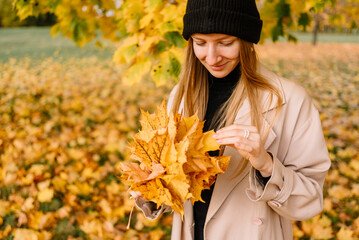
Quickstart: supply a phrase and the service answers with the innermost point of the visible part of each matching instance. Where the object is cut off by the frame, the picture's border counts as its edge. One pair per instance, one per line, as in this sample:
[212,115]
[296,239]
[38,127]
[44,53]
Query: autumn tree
[149,31]
[9,18]
[338,15]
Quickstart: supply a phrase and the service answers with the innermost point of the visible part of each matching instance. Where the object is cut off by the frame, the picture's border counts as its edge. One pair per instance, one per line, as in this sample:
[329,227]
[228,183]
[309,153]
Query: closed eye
[200,43]
[227,43]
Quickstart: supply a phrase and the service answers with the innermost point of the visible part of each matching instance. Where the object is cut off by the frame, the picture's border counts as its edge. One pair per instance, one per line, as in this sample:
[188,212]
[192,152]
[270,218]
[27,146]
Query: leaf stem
[129,219]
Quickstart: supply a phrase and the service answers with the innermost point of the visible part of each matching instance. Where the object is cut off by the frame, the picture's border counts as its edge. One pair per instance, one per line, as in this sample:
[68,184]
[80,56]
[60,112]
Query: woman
[268,125]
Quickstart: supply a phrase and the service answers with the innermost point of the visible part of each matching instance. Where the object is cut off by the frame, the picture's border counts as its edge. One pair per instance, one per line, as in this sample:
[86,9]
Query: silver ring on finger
[246,133]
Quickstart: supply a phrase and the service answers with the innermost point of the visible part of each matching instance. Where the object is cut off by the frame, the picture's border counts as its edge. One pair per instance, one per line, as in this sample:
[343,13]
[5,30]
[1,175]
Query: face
[219,53]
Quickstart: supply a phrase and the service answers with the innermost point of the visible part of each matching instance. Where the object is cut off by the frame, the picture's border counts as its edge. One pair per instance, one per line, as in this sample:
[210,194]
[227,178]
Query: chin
[218,74]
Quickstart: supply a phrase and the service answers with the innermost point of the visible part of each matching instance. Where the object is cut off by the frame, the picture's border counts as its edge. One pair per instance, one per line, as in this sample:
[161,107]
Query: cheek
[199,52]
[231,53]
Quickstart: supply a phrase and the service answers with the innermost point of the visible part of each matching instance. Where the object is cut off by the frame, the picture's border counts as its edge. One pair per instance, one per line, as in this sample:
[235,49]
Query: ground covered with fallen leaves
[65,127]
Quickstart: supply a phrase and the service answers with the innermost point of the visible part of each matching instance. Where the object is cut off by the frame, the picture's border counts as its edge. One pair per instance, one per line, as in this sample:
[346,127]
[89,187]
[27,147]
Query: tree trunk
[316,29]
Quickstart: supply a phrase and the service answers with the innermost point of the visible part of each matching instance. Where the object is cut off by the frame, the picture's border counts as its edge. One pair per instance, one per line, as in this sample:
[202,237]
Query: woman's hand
[135,194]
[142,203]
[248,143]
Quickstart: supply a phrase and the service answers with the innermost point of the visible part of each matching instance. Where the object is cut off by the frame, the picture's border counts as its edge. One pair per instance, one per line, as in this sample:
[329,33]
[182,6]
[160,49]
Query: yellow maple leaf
[92,227]
[39,220]
[208,142]
[133,171]
[345,234]
[45,195]
[196,165]
[25,234]
[196,188]
[177,184]
[339,192]
[4,208]
[137,174]
[320,232]
[151,152]
[157,234]
[174,164]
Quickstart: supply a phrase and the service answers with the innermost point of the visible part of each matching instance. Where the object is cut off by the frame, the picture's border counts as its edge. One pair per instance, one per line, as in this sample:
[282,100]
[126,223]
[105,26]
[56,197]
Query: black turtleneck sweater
[220,89]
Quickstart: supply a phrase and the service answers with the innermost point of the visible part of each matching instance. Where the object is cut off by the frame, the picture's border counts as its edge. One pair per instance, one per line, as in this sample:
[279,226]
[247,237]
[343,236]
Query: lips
[218,67]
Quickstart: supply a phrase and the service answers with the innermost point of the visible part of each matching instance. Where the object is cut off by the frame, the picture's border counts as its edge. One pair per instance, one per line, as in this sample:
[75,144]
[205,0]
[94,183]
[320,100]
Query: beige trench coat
[241,208]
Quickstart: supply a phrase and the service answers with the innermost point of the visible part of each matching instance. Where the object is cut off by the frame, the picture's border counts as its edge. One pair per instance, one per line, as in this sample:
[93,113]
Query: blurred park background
[74,75]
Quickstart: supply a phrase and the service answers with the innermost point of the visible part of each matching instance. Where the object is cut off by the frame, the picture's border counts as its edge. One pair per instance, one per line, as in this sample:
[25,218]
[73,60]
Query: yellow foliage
[41,221]
[157,234]
[345,234]
[339,192]
[167,148]
[137,71]
[318,227]
[356,226]
[25,234]
[75,161]
[45,195]
[92,227]
[28,204]
[132,19]
[35,155]
[4,207]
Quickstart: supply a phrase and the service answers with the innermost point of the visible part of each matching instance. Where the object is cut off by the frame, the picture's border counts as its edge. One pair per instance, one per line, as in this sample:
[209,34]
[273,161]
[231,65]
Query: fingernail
[215,135]
[219,141]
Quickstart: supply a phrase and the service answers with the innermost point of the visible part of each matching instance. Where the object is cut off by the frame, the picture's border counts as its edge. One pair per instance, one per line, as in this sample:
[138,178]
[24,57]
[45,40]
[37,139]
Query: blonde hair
[193,89]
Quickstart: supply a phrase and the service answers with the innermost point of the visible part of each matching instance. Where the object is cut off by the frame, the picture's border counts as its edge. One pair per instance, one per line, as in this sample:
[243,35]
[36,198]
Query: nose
[213,55]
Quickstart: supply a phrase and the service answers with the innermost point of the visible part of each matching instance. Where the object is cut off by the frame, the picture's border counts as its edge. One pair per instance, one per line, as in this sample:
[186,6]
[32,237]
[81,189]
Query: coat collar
[227,181]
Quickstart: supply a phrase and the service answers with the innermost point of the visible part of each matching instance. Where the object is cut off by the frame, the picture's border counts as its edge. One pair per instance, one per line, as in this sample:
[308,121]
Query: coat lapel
[228,180]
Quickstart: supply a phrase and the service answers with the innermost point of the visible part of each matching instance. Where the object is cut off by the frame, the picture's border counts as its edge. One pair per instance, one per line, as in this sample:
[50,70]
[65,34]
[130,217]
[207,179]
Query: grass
[328,37]
[37,43]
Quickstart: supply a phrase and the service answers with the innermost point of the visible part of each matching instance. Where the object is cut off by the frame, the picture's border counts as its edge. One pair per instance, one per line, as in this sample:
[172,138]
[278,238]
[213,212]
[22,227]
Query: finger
[239,127]
[135,194]
[237,133]
[234,140]
[229,133]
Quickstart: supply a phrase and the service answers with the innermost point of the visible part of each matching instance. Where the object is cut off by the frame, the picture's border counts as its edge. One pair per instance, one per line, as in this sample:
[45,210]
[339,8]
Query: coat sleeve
[150,210]
[295,189]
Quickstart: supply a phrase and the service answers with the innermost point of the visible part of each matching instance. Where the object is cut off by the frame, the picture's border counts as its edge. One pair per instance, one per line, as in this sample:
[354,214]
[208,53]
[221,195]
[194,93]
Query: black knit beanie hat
[238,18]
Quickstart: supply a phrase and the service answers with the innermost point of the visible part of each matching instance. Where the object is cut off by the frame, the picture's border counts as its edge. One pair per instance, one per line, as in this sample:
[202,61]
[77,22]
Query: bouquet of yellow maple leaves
[174,164]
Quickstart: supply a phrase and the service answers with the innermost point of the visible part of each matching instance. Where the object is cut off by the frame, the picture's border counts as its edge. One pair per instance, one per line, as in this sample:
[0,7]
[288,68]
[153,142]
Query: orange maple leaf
[174,164]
